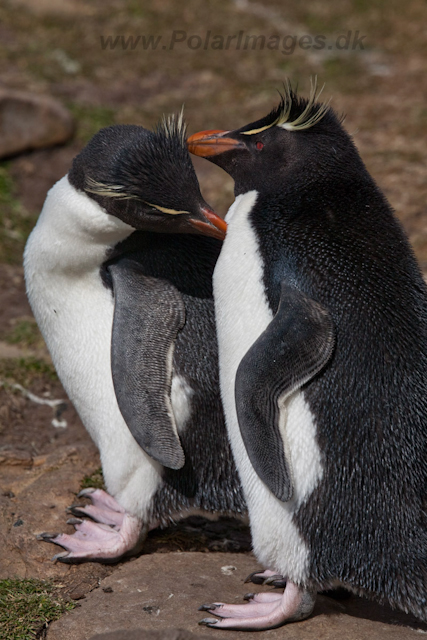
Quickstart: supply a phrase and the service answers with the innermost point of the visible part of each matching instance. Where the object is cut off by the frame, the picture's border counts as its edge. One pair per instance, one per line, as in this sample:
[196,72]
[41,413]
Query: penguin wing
[148,314]
[296,345]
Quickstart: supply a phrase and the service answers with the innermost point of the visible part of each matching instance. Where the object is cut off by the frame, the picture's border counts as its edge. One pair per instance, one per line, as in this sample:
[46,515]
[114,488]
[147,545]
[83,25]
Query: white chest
[73,309]
[241,307]
[242,314]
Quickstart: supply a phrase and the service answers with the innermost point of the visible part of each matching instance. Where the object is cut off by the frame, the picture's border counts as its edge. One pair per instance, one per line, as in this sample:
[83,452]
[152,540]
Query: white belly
[242,314]
[75,314]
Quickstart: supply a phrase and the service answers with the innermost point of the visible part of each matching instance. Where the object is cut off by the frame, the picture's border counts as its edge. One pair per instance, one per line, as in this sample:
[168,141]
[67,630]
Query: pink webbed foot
[264,611]
[110,534]
[103,507]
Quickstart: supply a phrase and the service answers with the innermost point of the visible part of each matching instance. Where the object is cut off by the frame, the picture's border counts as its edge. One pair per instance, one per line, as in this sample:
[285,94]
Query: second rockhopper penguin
[120,283]
[322,326]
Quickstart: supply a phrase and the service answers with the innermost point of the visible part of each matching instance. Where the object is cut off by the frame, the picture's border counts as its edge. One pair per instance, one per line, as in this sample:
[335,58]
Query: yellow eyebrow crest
[107,190]
[305,120]
[172,212]
[117,191]
[252,131]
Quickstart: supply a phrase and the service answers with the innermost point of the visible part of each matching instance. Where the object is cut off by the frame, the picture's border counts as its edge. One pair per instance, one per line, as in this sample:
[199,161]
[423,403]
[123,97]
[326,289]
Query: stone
[160,593]
[31,121]
[139,634]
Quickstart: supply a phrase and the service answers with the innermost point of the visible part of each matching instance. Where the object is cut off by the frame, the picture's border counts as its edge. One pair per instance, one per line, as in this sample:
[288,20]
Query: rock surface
[138,634]
[31,121]
[161,593]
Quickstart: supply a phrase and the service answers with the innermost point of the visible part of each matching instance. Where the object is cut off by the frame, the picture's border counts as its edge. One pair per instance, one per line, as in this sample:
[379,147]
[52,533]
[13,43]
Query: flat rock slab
[161,593]
[168,634]
[31,121]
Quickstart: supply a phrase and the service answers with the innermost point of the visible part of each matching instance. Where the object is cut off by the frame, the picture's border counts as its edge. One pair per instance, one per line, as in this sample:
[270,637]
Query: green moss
[135,9]
[15,222]
[6,185]
[25,370]
[91,119]
[24,332]
[27,607]
[95,480]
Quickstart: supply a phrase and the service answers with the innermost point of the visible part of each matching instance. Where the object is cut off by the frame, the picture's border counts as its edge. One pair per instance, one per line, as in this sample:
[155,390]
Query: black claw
[60,556]
[75,508]
[208,607]
[252,578]
[208,622]
[272,579]
[46,537]
[74,521]
[65,560]
[279,584]
[79,511]
[84,493]
[248,596]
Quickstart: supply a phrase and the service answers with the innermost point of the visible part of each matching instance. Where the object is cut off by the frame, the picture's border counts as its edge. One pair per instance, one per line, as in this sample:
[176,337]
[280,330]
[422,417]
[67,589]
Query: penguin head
[297,141]
[146,178]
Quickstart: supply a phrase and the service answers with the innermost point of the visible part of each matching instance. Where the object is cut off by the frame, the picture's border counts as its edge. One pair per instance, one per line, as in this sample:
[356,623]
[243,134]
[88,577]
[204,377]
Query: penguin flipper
[148,314]
[296,345]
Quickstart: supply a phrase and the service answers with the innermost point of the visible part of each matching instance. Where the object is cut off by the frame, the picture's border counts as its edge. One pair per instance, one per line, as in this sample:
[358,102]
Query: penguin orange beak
[214,226]
[212,143]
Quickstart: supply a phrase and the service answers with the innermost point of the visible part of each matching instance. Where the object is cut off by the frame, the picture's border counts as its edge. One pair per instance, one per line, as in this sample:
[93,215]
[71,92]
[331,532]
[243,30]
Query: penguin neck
[331,241]
[74,232]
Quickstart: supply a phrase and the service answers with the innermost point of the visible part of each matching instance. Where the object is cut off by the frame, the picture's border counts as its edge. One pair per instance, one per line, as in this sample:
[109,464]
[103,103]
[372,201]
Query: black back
[324,227]
[338,242]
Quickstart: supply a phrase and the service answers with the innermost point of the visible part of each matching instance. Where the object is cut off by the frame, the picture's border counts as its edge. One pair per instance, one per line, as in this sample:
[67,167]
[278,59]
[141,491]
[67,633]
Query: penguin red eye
[259,145]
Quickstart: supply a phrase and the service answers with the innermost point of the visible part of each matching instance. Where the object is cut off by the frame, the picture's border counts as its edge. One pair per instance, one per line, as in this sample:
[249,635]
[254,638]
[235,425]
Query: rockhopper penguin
[120,284]
[321,315]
